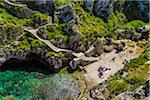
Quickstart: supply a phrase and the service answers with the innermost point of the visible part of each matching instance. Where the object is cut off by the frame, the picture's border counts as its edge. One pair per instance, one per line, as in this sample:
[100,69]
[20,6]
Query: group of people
[101,70]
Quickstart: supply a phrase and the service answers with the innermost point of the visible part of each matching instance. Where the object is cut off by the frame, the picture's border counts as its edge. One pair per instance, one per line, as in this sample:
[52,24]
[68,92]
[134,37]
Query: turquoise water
[23,85]
[18,84]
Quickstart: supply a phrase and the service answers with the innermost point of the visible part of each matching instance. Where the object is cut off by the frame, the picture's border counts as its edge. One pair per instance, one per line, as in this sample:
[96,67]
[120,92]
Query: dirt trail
[105,60]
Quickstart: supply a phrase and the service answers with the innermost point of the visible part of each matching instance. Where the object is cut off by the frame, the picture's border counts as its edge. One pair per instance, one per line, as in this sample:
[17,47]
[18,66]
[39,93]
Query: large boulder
[108,48]
[120,46]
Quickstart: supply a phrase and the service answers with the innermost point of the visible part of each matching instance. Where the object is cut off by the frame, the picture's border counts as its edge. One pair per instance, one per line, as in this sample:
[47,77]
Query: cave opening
[33,64]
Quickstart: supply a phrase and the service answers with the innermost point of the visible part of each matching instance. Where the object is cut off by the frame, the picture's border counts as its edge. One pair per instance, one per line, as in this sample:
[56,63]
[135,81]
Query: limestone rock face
[66,14]
[102,8]
[43,6]
[54,63]
[6,55]
[19,11]
[88,5]
[137,10]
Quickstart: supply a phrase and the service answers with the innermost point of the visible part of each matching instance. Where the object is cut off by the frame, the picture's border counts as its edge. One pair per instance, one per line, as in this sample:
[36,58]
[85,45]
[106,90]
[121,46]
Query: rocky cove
[52,49]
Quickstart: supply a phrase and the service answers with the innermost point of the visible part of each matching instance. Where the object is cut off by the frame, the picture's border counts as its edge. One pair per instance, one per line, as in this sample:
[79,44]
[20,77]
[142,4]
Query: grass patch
[137,77]
[134,24]
[117,86]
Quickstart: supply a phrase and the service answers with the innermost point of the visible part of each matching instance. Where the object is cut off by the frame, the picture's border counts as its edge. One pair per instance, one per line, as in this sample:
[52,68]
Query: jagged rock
[102,8]
[88,5]
[42,33]
[120,46]
[145,33]
[73,41]
[128,34]
[59,43]
[90,52]
[74,64]
[136,36]
[120,33]
[54,62]
[108,40]
[66,14]
[77,63]
[96,49]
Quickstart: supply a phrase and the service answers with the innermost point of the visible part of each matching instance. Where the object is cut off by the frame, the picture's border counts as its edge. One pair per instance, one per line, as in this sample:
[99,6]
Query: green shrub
[55,32]
[42,17]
